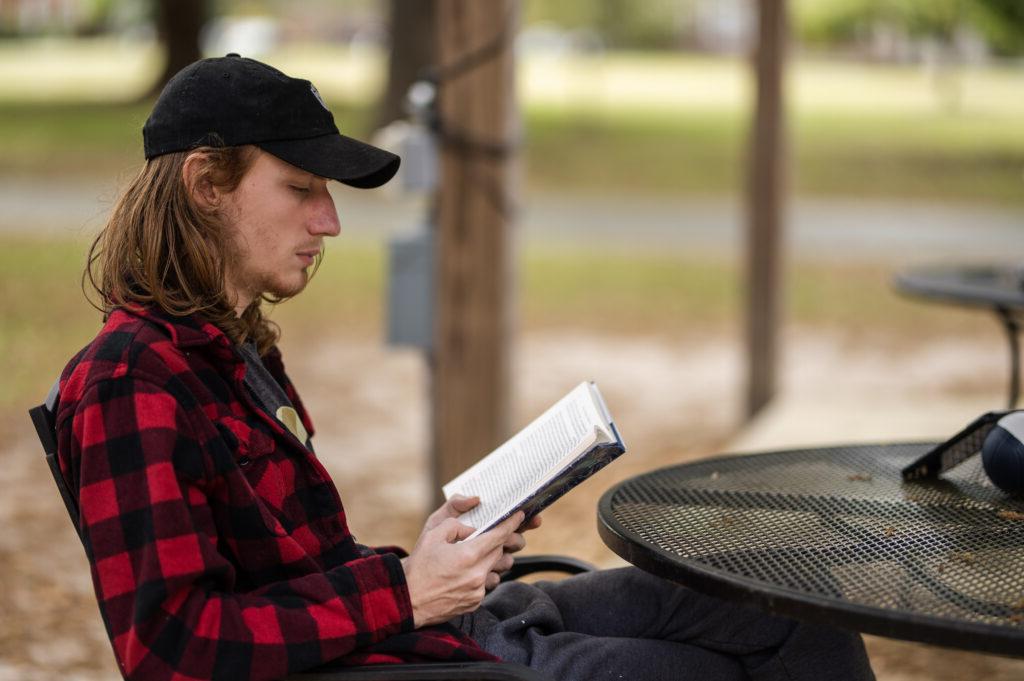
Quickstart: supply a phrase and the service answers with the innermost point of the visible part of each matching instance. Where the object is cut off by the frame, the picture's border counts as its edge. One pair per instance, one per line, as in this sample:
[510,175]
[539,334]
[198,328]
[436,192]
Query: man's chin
[282,289]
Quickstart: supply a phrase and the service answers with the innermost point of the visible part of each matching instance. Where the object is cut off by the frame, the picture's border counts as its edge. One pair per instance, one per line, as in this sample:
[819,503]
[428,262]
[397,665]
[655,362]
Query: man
[218,543]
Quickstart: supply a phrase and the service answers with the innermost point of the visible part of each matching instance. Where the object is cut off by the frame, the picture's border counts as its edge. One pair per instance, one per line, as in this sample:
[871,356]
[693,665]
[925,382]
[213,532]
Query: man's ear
[195,174]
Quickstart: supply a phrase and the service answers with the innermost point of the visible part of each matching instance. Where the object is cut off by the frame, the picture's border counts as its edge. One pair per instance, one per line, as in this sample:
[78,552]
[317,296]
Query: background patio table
[996,287]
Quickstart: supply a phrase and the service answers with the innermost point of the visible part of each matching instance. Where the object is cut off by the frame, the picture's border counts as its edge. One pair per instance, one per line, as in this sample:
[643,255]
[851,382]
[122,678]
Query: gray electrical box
[411,290]
[418,171]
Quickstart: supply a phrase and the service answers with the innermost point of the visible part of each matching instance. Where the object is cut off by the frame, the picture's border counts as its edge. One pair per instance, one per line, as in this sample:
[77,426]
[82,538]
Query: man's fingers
[493,540]
[532,524]
[461,504]
[455,531]
[497,535]
[515,542]
[494,557]
[504,563]
[455,506]
[492,581]
[463,532]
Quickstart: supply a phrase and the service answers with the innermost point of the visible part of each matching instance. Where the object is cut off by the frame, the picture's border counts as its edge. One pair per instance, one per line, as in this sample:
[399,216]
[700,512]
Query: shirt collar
[186,331]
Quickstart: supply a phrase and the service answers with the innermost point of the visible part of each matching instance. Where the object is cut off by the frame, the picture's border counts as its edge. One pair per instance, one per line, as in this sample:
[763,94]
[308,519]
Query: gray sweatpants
[627,624]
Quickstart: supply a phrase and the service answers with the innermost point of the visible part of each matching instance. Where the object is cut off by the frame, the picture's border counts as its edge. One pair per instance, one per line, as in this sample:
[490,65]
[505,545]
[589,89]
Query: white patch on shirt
[290,418]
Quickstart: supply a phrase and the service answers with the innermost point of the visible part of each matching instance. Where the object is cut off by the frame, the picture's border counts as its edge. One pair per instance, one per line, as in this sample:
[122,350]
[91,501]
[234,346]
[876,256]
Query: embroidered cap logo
[316,93]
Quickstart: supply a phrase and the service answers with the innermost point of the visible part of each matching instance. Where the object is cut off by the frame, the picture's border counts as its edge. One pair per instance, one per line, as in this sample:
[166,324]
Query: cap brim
[337,157]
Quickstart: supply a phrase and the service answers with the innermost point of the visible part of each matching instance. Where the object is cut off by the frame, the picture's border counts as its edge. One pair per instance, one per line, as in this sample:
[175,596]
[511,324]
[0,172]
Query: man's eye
[301,190]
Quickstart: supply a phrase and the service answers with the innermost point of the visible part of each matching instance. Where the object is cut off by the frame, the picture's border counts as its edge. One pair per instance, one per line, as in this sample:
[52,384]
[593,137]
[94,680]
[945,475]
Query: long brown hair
[160,247]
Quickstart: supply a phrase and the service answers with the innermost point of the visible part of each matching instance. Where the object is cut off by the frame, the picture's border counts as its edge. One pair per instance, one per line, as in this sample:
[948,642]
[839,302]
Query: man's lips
[308,256]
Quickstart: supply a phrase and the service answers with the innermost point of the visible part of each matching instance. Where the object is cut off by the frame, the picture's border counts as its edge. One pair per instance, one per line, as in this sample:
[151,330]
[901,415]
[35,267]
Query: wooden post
[179,23]
[766,189]
[478,121]
[411,50]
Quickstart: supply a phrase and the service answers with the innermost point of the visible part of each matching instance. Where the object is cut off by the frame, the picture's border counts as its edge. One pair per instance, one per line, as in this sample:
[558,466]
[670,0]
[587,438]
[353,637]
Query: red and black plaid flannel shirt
[218,543]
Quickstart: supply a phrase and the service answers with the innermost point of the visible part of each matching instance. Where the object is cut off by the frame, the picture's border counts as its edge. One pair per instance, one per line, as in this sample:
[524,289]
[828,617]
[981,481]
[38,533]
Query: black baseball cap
[232,100]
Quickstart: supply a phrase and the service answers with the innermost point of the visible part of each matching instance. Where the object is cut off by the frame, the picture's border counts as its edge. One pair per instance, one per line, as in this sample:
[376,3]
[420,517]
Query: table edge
[970,636]
[909,283]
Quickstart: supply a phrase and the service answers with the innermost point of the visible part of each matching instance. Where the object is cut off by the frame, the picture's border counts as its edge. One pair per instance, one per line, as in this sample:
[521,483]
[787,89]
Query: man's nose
[324,220]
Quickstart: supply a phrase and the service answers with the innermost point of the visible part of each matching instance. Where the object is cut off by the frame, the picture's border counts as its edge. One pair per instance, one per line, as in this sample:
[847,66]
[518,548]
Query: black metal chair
[44,420]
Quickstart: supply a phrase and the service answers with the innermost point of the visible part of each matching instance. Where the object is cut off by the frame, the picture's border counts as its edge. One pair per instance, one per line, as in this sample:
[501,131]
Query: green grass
[652,153]
[82,139]
[45,316]
[691,153]
[46,319]
[942,155]
[652,124]
[625,293]
[70,138]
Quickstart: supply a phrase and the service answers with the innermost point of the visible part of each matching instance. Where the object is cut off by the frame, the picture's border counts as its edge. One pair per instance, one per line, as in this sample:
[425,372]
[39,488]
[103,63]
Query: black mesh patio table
[834,535]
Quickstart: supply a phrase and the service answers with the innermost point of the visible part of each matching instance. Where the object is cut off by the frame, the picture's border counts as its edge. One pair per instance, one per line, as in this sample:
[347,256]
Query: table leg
[1012,327]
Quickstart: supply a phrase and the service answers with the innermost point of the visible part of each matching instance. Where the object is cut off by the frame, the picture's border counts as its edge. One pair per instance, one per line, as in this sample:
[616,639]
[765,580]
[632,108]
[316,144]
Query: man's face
[277,219]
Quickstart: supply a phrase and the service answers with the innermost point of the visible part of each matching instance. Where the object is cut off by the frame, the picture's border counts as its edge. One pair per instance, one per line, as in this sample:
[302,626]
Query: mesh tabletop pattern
[836,535]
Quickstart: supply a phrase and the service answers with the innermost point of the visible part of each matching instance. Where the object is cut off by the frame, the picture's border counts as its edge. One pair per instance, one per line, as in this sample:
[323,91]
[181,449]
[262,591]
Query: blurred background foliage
[597,24]
[998,25]
[914,98]
[614,24]
[888,101]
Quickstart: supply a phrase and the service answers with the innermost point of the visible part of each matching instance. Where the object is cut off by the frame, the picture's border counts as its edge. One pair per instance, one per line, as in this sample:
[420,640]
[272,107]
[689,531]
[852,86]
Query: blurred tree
[624,24]
[831,23]
[94,17]
[565,13]
[83,18]
[412,50]
[846,21]
[178,23]
[654,25]
[1002,22]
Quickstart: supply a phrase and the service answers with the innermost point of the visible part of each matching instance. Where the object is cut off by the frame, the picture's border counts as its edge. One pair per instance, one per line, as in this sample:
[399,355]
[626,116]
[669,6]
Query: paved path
[848,229]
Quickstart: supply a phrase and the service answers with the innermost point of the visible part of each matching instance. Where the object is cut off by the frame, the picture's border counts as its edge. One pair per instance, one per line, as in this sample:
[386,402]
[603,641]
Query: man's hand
[456,506]
[446,576]
[516,542]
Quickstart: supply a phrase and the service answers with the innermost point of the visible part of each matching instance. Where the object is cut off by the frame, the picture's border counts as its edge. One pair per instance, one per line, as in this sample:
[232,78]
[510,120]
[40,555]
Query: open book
[561,448]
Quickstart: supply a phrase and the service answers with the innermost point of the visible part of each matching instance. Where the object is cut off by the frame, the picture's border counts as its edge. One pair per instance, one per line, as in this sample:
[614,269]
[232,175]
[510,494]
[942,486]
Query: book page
[511,472]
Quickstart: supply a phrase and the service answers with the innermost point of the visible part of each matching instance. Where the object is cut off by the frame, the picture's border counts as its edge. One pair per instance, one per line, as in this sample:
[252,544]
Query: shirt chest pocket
[269,472]
[263,475]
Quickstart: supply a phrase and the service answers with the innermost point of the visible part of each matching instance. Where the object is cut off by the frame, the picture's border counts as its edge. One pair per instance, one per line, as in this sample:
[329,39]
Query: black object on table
[999,288]
[834,535]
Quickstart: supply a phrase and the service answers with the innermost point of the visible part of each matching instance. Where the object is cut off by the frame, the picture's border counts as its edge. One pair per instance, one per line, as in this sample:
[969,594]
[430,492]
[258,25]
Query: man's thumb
[462,504]
[454,531]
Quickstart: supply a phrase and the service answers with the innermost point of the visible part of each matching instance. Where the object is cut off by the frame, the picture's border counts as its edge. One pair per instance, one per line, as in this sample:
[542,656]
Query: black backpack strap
[44,418]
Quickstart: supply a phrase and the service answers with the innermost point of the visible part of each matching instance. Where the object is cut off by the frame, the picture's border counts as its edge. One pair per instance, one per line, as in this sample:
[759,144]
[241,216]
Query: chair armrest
[526,565]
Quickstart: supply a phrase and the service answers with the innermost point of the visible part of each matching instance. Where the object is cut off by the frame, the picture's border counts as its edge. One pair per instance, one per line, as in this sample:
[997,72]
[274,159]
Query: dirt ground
[674,399]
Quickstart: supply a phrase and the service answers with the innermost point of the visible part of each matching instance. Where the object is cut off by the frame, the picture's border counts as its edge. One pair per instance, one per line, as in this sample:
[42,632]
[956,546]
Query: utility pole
[478,129]
[179,23]
[411,49]
[765,205]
